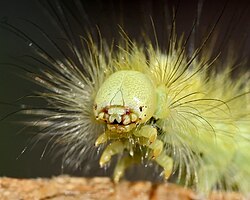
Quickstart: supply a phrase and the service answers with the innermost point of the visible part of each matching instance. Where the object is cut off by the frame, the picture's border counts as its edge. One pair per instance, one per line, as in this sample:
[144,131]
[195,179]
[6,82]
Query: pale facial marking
[118,118]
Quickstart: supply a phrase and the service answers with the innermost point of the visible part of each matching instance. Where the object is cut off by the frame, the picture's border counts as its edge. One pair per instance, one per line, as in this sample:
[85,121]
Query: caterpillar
[131,102]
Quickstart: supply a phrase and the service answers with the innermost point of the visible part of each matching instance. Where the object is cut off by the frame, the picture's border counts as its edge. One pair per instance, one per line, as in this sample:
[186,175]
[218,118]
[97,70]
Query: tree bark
[72,188]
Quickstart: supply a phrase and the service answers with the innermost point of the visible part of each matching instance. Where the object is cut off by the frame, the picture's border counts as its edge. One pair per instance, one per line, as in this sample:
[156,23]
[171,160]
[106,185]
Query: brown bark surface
[72,188]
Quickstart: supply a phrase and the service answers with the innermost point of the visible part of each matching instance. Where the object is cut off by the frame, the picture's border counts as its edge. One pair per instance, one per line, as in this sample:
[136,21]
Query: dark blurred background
[134,16]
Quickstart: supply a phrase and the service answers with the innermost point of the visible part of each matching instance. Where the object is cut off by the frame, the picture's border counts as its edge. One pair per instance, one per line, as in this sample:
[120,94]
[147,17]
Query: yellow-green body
[145,105]
[191,125]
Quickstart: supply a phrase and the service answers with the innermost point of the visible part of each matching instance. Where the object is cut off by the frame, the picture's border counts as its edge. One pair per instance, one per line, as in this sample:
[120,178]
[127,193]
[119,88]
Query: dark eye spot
[140,108]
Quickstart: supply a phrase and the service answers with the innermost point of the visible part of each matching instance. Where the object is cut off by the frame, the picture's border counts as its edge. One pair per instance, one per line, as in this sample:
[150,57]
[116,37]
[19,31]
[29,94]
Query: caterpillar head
[125,99]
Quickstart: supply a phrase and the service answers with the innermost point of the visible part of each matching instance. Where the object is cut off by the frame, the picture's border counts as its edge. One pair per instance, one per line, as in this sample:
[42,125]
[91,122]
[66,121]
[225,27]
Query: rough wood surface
[72,188]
